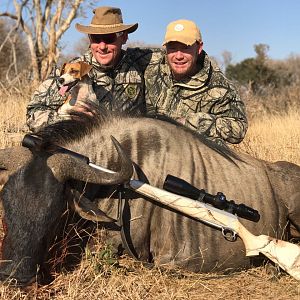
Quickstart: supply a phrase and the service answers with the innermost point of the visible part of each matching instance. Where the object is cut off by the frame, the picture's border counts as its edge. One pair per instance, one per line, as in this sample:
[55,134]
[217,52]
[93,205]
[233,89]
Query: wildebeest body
[159,234]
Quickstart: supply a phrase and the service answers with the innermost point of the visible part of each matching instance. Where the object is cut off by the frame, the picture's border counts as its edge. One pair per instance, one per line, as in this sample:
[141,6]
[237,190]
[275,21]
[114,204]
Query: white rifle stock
[285,254]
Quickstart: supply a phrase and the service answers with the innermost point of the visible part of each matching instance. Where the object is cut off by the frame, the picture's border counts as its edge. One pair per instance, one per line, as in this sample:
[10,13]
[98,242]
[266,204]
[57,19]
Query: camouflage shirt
[206,102]
[120,88]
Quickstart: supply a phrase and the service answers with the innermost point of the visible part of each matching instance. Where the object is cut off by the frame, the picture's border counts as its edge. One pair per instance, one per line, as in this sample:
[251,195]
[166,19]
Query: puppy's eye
[73,71]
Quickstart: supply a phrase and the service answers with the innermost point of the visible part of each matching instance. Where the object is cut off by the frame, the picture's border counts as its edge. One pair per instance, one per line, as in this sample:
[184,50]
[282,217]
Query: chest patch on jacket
[131,90]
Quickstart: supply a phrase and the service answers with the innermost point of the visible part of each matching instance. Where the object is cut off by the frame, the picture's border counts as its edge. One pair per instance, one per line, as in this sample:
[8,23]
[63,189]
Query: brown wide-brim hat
[106,20]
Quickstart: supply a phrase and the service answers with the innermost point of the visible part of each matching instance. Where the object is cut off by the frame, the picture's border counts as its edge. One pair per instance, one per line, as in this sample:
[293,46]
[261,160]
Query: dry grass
[273,137]
[269,137]
[13,111]
[132,281]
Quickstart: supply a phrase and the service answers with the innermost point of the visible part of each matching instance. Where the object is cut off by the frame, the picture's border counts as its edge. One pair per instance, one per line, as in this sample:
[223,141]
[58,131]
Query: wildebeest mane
[81,124]
[223,150]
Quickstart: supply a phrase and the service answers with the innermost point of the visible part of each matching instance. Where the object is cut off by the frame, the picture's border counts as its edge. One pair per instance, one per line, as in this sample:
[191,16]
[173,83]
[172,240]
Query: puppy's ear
[62,70]
[84,68]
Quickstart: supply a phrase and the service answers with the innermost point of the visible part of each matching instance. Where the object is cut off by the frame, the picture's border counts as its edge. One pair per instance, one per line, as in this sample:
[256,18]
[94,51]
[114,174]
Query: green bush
[260,72]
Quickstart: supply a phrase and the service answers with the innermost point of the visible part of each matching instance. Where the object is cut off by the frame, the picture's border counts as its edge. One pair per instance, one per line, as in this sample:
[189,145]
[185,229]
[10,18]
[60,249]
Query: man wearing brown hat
[116,78]
[187,86]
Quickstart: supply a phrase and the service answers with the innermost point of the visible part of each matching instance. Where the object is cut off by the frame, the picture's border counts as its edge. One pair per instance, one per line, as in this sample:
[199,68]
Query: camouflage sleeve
[43,106]
[152,75]
[226,120]
[144,57]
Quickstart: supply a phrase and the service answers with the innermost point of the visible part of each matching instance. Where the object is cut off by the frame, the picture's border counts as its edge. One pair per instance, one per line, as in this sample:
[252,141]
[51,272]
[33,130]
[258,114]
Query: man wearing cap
[116,77]
[187,86]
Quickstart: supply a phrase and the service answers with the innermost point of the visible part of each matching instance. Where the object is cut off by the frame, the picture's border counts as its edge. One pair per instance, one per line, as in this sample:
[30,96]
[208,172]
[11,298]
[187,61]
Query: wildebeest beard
[31,214]
[36,192]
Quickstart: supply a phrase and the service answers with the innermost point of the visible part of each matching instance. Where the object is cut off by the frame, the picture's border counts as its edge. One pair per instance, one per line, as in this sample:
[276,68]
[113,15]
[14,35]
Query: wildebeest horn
[66,167]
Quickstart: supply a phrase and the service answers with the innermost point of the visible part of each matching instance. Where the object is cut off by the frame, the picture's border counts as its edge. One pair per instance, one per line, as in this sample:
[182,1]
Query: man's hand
[180,120]
[83,107]
[75,106]
[78,99]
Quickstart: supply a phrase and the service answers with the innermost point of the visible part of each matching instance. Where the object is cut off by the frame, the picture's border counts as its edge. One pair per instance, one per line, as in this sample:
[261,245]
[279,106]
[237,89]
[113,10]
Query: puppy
[71,73]
[77,84]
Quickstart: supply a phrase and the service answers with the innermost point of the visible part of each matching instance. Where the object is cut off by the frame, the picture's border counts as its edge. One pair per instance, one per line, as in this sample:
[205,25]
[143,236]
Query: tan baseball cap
[183,31]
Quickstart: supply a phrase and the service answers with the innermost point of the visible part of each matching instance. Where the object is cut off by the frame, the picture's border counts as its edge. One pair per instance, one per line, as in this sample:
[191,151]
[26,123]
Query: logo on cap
[178,27]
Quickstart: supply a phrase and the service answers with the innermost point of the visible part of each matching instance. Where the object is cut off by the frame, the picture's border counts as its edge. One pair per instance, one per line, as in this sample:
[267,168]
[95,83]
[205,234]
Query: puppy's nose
[61,80]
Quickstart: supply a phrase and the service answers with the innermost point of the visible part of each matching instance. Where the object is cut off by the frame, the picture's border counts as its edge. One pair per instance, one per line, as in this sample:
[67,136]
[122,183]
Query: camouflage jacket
[120,88]
[206,102]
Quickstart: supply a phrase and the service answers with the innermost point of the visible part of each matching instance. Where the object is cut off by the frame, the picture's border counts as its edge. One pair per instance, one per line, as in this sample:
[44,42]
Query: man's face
[106,48]
[182,59]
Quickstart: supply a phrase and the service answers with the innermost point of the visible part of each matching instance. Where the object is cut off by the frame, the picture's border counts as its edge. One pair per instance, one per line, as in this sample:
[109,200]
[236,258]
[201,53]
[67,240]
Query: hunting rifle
[285,254]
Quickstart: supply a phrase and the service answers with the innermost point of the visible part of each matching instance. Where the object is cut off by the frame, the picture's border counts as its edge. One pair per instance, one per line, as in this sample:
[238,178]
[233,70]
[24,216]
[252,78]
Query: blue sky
[232,25]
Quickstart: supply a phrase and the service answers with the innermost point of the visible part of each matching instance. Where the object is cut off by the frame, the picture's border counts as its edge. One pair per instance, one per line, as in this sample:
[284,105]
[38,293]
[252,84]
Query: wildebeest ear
[84,68]
[62,69]
[86,208]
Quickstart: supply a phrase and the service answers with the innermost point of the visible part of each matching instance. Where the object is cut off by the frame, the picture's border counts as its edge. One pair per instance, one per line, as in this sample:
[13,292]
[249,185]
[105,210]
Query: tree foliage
[255,72]
[14,53]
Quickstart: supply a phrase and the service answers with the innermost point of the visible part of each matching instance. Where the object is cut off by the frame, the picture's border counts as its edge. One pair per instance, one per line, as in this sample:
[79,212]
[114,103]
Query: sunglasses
[105,38]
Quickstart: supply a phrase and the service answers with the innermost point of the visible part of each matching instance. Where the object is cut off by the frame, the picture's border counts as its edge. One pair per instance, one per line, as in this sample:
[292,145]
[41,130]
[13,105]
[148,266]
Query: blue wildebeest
[41,183]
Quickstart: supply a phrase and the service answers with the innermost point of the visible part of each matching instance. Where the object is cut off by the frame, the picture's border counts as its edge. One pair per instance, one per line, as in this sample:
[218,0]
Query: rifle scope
[181,187]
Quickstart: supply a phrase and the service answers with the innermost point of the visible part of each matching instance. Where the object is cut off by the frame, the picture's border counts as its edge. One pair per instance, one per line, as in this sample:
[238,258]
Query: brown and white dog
[76,84]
